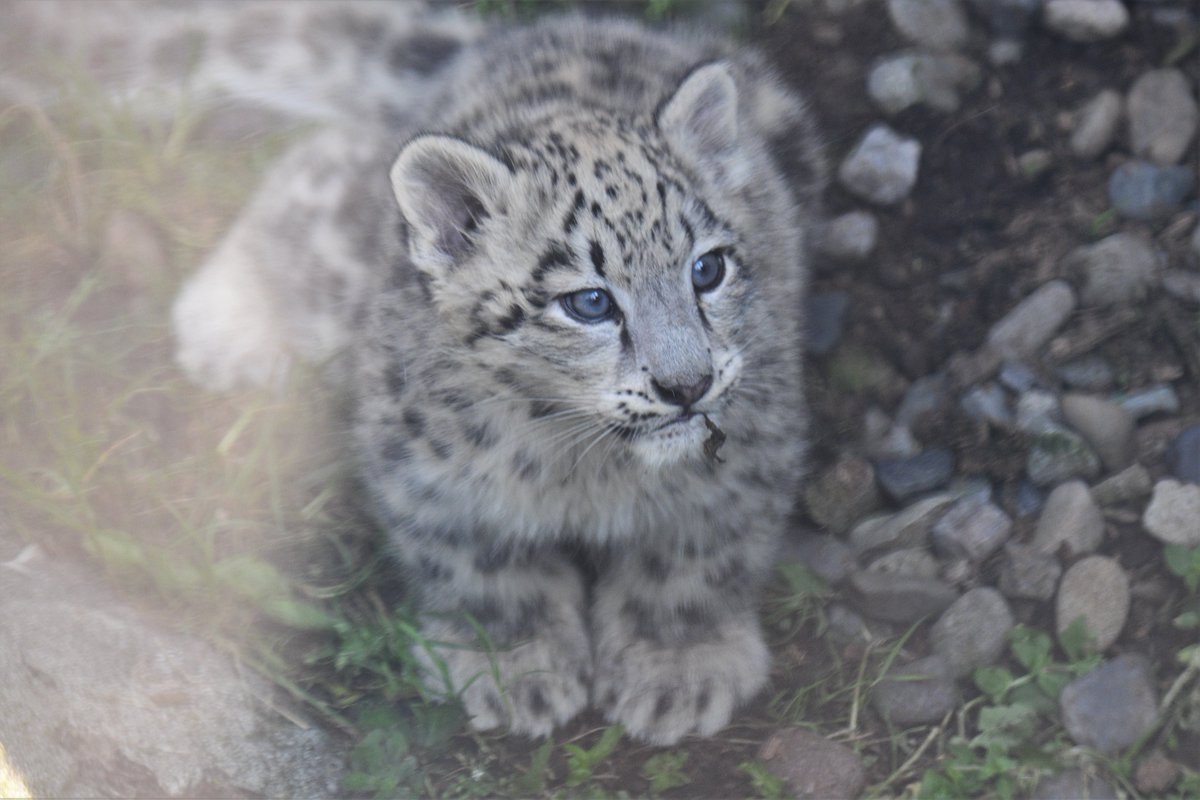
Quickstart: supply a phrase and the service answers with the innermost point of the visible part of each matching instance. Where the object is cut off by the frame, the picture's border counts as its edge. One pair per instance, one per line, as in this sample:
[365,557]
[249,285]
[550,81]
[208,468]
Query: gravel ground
[1006,340]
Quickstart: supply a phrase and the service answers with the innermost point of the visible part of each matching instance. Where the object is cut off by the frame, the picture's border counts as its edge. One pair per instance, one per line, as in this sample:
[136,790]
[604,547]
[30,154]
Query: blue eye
[708,271]
[589,305]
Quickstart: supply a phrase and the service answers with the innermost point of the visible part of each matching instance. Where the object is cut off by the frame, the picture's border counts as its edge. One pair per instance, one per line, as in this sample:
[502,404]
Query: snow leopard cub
[603,268]
[571,306]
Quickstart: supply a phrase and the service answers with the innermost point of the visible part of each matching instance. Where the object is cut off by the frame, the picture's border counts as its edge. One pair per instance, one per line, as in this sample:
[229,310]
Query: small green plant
[1184,562]
[665,771]
[767,784]
[386,762]
[582,763]
[1010,746]
[799,600]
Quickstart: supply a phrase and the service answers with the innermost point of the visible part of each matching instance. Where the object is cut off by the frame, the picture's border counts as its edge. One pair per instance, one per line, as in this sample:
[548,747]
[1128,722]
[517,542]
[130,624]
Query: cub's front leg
[678,643]
[531,667]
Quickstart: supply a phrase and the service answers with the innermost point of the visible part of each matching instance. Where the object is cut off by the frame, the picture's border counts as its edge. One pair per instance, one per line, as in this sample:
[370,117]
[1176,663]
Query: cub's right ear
[446,188]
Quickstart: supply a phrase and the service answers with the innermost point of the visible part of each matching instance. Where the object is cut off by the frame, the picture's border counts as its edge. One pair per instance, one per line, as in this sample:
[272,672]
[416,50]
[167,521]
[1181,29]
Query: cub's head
[604,266]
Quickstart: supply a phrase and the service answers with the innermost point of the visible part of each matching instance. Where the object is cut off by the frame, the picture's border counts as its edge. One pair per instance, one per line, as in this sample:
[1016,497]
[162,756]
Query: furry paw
[530,688]
[226,332]
[661,692]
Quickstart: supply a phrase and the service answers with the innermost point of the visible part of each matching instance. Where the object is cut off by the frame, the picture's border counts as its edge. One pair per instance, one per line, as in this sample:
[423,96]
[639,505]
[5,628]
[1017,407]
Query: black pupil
[708,270]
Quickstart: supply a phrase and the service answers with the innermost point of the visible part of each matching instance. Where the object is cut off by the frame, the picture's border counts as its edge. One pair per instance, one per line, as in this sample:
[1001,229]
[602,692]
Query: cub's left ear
[701,119]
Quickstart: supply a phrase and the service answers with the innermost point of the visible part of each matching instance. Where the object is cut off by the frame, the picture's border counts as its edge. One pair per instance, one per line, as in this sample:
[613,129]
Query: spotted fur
[543,478]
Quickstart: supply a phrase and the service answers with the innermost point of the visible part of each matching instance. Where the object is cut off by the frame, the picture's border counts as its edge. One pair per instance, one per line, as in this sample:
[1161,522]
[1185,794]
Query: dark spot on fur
[663,705]
[554,258]
[702,701]
[540,408]
[414,420]
[597,254]
[571,220]
[510,321]
[537,702]
[626,341]
[395,378]
[439,447]
[526,466]
[396,450]
[494,557]
[655,567]
[434,571]
[494,705]
[480,434]
[422,54]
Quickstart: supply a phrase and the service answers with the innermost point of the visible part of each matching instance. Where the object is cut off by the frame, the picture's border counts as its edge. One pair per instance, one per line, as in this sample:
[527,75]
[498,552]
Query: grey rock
[1182,285]
[914,77]
[987,403]
[1106,426]
[1059,456]
[1112,706]
[812,766]
[100,700]
[828,557]
[1118,270]
[1131,483]
[937,24]
[882,168]
[825,317]
[1146,192]
[1032,164]
[907,528]
[971,489]
[847,625]
[916,693]
[1097,589]
[973,529]
[1074,784]
[1156,773]
[1007,18]
[1021,332]
[1072,518]
[1090,373]
[913,562]
[1163,115]
[883,440]
[957,571]
[1029,499]
[1085,20]
[899,598]
[905,478]
[1096,124]
[972,632]
[1028,573]
[929,394]
[844,493]
[1017,377]
[1039,412]
[1173,515]
[1002,52]
[850,237]
[1154,400]
[1183,455]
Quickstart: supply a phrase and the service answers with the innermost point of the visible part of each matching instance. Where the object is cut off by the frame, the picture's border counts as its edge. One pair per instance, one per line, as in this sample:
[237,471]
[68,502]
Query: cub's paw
[226,331]
[530,688]
[662,692]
